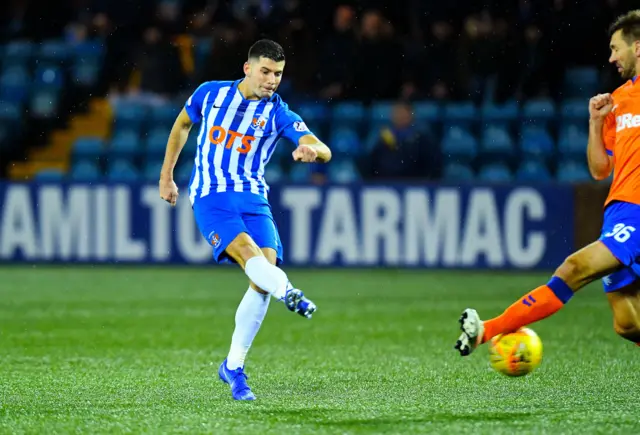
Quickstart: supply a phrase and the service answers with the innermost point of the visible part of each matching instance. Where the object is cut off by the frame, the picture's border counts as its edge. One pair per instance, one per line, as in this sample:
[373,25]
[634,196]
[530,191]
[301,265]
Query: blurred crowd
[336,49]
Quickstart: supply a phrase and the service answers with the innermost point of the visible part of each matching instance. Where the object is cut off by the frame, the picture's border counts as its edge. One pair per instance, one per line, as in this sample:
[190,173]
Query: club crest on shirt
[259,123]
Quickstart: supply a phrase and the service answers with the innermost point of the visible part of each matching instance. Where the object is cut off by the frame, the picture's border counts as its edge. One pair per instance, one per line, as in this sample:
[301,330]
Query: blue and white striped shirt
[237,137]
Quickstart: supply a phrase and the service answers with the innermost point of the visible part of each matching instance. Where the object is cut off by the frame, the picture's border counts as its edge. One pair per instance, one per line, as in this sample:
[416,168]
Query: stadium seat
[19,52]
[495,173]
[313,112]
[44,103]
[129,115]
[14,84]
[125,143]
[496,143]
[163,115]
[581,82]
[570,171]
[460,114]
[458,172]
[380,114]
[572,141]
[539,112]
[458,143]
[536,141]
[343,172]
[274,174]
[120,170]
[576,109]
[300,173]
[85,171]
[85,72]
[426,112]
[156,142]
[532,171]
[500,114]
[348,114]
[48,77]
[53,51]
[344,142]
[94,49]
[152,171]
[183,172]
[46,175]
[10,111]
[88,148]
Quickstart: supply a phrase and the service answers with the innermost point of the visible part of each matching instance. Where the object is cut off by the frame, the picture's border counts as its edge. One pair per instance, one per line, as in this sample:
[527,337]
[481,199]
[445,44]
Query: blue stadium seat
[156,142]
[10,111]
[94,49]
[500,114]
[122,171]
[44,103]
[536,141]
[426,111]
[532,171]
[380,114]
[343,172]
[345,142]
[125,143]
[576,109]
[85,72]
[460,114]
[46,175]
[88,148]
[572,141]
[581,82]
[300,173]
[495,173]
[129,115]
[183,172]
[152,170]
[85,171]
[14,84]
[570,171]
[460,144]
[458,172]
[274,174]
[313,112]
[496,143]
[163,115]
[203,46]
[540,112]
[19,52]
[53,51]
[48,76]
[348,113]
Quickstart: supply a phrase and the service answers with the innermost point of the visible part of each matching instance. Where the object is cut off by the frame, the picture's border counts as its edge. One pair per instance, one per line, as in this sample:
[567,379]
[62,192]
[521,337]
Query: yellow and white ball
[517,353]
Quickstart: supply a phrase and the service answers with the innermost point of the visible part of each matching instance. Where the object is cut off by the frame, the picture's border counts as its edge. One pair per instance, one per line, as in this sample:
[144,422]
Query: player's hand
[600,106]
[168,191]
[305,153]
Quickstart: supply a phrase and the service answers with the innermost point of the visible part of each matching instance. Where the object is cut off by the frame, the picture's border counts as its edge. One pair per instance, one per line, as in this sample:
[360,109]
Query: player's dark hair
[267,48]
[629,23]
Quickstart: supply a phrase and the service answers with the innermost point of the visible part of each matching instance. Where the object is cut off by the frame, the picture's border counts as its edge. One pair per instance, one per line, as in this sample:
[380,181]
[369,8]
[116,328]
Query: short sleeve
[609,132]
[290,125]
[195,102]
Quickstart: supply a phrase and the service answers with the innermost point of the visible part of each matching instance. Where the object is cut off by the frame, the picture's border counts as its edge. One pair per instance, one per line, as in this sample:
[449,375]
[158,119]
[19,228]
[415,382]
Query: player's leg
[625,304]
[249,316]
[579,269]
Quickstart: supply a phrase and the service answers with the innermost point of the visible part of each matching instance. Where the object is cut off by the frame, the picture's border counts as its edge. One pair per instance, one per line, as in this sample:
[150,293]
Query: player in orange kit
[614,144]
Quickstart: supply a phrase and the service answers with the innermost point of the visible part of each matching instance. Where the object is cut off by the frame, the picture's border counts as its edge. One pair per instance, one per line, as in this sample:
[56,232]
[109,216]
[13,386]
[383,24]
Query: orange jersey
[621,133]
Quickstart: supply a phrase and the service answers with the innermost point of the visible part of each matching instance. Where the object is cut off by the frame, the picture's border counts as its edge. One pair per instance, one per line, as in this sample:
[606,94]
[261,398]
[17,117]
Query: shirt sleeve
[609,132]
[290,125]
[195,102]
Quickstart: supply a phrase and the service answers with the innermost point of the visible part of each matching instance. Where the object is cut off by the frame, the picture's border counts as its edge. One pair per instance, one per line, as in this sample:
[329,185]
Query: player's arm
[175,143]
[311,149]
[600,163]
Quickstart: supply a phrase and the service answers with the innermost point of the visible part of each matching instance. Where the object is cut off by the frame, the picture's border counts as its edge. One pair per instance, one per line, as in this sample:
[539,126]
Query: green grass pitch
[135,350]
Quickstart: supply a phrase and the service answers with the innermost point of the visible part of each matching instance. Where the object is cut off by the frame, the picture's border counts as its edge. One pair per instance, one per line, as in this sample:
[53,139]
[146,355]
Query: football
[517,353]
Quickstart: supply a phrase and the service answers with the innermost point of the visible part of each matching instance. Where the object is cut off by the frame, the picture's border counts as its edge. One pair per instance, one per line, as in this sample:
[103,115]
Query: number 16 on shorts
[621,232]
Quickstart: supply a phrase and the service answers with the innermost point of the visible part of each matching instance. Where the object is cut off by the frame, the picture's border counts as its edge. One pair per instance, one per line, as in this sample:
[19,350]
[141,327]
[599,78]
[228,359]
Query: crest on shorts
[214,238]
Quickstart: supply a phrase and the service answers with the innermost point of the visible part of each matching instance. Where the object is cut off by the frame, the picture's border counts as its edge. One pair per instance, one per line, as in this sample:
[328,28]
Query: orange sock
[534,306]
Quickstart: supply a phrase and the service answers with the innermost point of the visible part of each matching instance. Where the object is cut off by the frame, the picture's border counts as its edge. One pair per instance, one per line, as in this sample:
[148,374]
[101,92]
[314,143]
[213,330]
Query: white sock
[251,312]
[268,277]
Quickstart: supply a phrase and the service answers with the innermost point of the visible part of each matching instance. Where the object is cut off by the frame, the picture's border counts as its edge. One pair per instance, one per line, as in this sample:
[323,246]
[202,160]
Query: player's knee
[574,270]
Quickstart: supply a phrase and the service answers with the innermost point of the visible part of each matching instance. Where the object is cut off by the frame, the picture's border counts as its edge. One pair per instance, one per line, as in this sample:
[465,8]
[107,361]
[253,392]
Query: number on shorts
[621,232]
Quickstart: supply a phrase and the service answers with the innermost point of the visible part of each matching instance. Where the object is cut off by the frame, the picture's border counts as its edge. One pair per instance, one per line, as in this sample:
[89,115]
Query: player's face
[263,76]
[623,55]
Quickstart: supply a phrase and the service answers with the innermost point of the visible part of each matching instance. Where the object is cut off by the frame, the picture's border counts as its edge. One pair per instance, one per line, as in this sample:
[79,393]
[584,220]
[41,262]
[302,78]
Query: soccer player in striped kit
[240,124]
